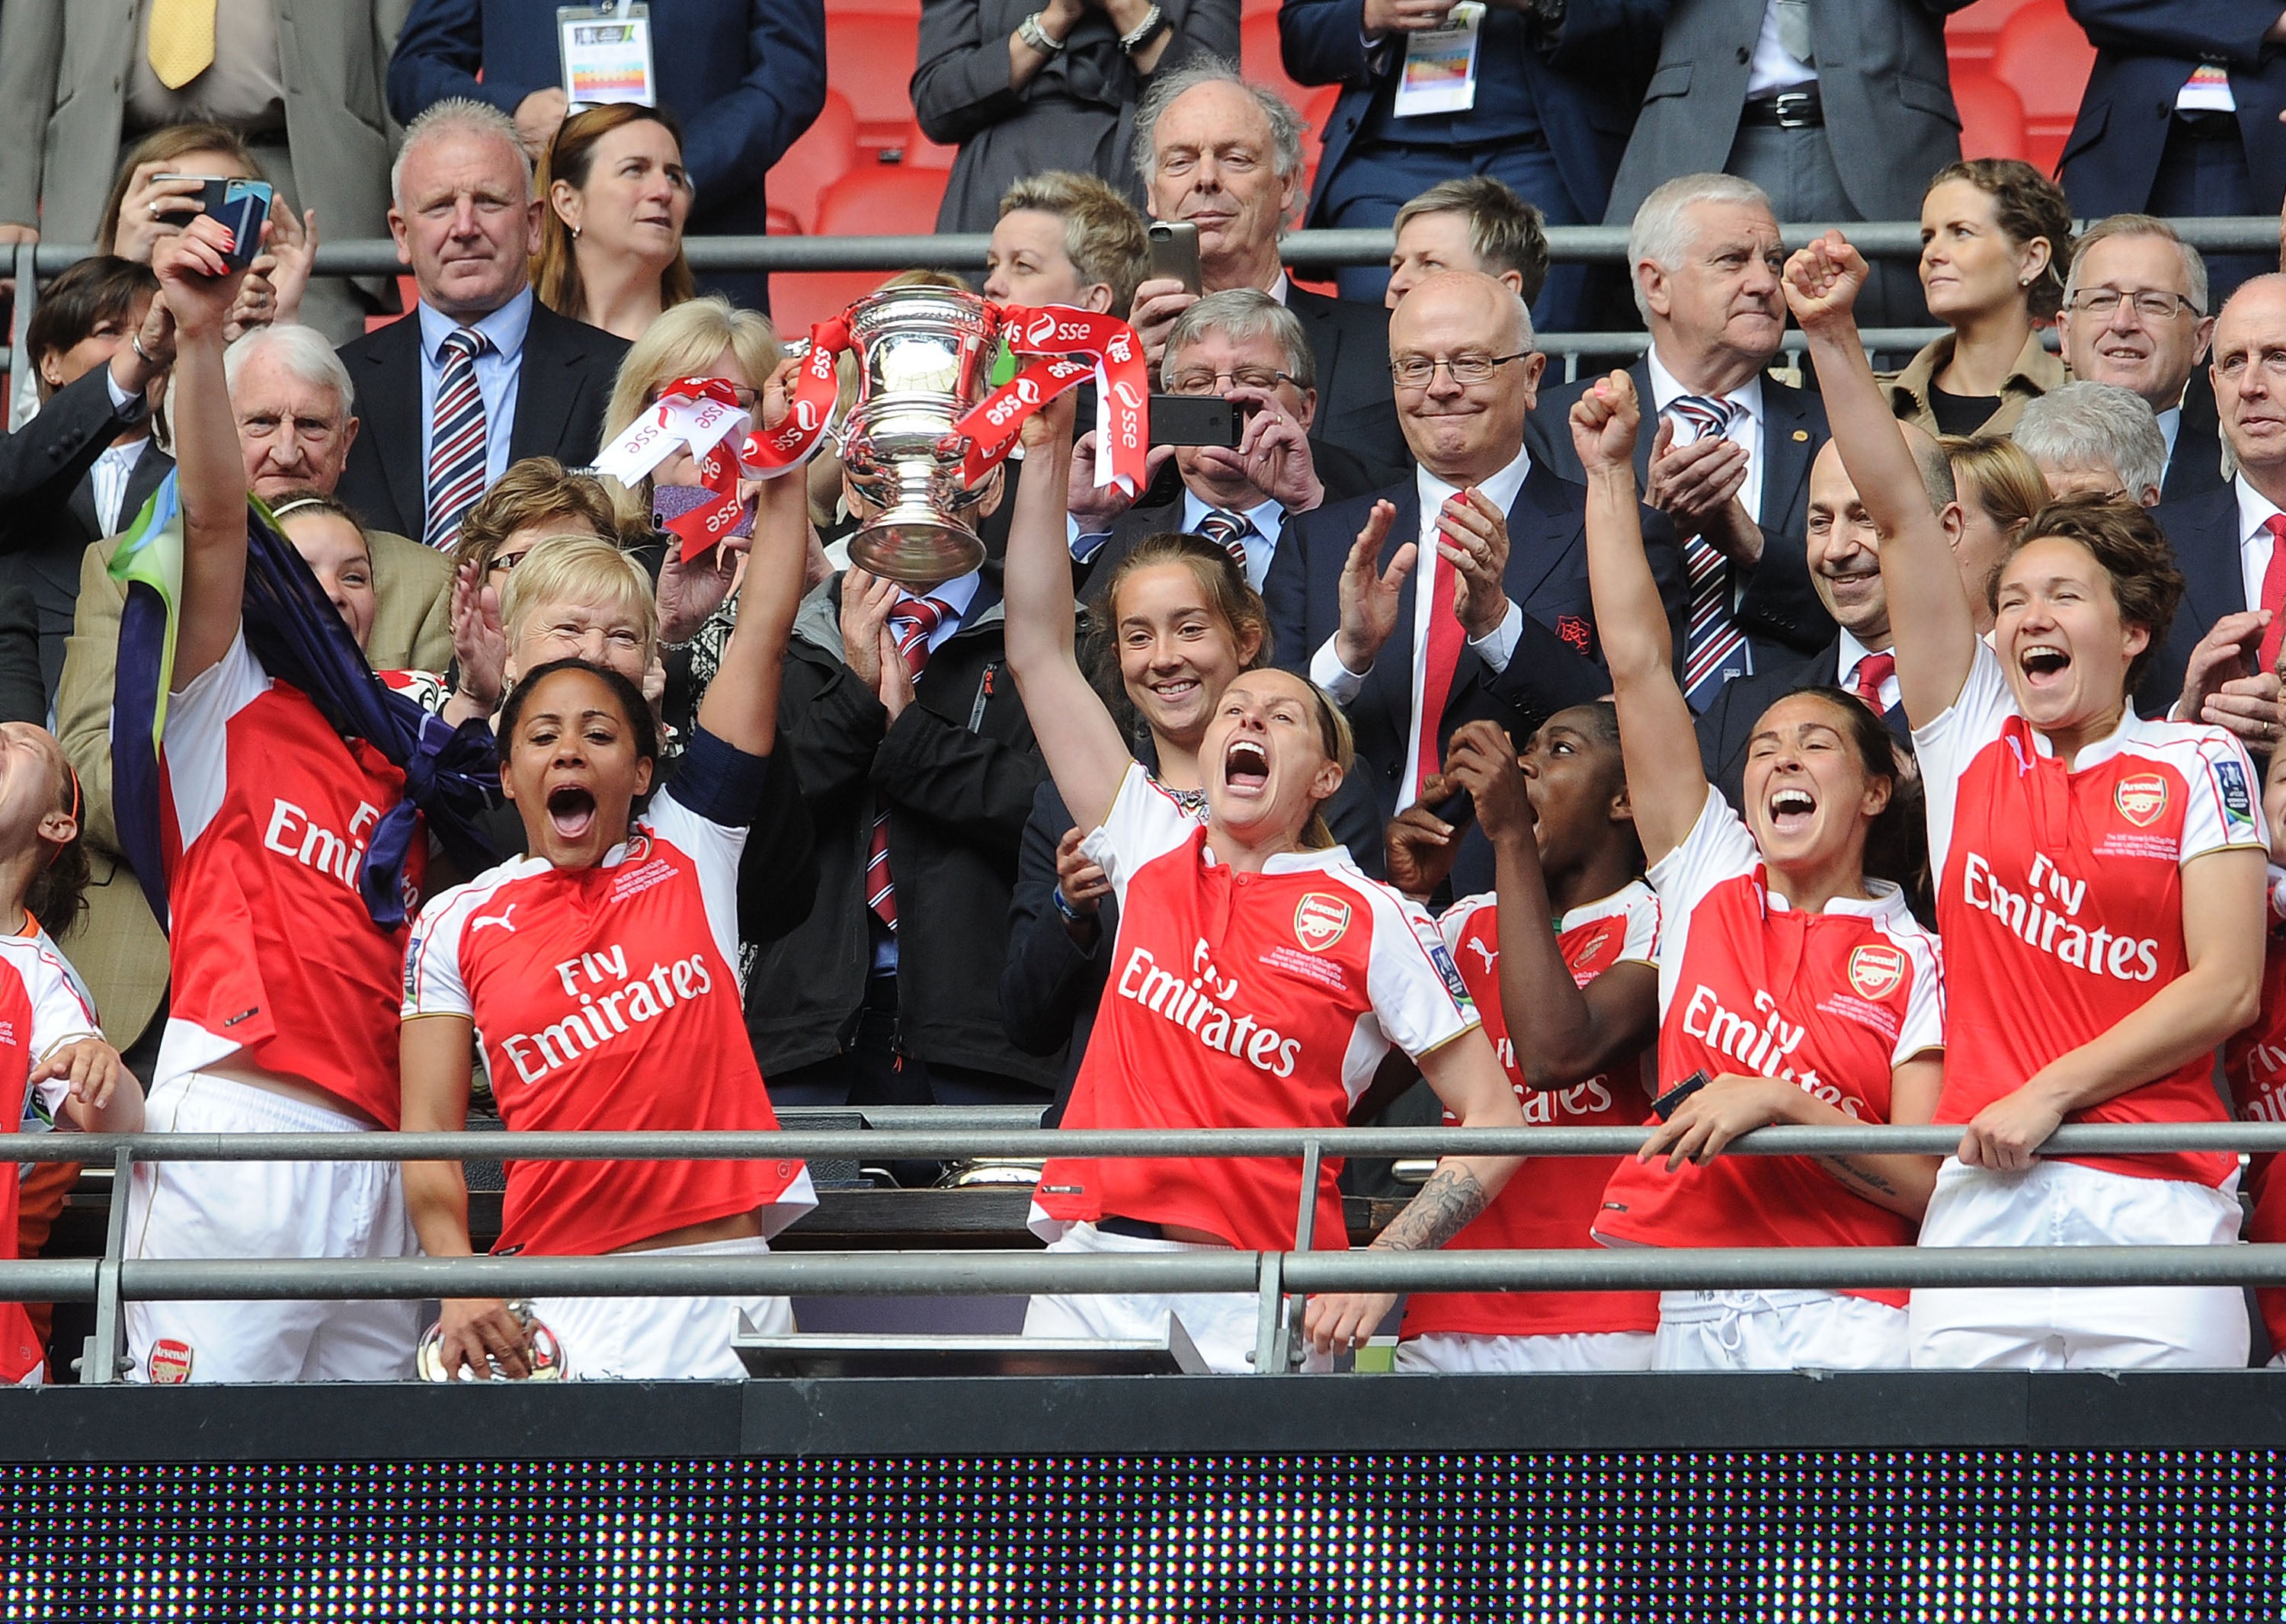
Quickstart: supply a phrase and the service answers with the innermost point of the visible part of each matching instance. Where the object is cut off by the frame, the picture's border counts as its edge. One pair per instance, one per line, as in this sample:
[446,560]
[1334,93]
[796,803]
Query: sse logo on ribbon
[1123,391]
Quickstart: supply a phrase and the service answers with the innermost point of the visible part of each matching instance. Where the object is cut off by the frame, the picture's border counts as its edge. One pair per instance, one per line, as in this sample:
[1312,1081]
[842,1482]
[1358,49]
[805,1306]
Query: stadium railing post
[104,1358]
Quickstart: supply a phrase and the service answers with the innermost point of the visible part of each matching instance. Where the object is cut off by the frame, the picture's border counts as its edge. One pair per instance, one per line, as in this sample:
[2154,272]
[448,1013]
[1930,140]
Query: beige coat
[118,948]
[2034,374]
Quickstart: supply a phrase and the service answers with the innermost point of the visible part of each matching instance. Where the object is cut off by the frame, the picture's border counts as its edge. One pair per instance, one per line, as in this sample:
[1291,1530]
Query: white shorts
[1460,1351]
[663,1338]
[264,1210]
[1222,1325]
[1777,1330]
[2084,1328]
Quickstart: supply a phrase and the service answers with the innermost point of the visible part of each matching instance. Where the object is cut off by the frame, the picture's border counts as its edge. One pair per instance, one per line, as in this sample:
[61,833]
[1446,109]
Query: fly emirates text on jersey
[2045,918]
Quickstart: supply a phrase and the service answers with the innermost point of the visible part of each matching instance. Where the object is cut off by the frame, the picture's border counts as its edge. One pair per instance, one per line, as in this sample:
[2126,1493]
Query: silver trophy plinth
[924,355]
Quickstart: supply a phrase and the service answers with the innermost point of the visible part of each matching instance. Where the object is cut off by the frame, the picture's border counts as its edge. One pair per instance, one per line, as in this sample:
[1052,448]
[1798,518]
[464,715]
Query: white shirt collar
[2170,424]
[1852,652]
[1500,489]
[1664,389]
[1278,288]
[2254,509]
[504,326]
[956,595]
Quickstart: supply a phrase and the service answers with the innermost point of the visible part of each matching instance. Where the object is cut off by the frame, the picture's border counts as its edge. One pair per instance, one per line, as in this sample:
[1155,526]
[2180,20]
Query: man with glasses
[2230,542]
[2135,314]
[1729,460]
[1461,591]
[1244,347]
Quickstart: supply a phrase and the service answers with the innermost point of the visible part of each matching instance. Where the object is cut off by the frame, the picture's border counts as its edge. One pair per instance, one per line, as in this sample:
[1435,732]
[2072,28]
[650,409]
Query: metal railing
[1307,250]
[1281,1280]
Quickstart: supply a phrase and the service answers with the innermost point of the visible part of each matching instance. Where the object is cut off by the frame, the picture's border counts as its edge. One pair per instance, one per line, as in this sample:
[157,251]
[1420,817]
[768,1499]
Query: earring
[575,233]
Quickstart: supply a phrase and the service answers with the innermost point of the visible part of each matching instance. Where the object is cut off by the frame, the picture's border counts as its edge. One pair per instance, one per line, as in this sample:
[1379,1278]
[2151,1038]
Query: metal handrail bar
[995,1273]
[2076,1139]
[1307,250]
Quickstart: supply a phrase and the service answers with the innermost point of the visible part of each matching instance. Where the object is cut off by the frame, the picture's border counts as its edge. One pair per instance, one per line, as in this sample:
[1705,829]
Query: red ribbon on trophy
[817,389]
[1123,391]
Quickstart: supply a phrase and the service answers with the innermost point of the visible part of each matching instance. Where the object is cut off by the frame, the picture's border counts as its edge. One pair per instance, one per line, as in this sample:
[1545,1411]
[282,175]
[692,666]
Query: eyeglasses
[2149,304]
[1414,371]
[1199,380]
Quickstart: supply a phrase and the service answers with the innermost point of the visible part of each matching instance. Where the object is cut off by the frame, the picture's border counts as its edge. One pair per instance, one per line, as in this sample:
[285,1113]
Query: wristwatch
[1038,38]
[1154,21]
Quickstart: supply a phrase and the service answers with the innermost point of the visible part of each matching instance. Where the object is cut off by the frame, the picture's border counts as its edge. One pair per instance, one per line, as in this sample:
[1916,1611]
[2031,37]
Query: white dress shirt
[114,465]
[497,370]
[1745,429]
[1853,653]
[2170,424]
[1775,68]
[1261,542]
[1495,648]
[2254,513]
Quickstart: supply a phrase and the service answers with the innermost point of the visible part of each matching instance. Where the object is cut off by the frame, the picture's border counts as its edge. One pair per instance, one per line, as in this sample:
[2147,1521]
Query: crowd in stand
[1712,744]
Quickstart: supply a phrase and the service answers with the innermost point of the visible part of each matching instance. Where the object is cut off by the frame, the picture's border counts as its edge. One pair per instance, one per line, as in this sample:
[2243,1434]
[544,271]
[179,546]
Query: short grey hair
[1285,123]
[1660,235]
[2194,267]
[1242,313]
[2096,425]
[301,353]
[457,116]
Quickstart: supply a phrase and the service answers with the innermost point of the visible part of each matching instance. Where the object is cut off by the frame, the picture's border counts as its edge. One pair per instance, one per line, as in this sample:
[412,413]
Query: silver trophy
[924,357]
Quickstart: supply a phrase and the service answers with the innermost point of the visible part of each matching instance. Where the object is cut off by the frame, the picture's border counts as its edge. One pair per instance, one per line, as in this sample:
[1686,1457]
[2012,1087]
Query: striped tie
[1229,531]
[1714,650]
[912,622]
[456,447]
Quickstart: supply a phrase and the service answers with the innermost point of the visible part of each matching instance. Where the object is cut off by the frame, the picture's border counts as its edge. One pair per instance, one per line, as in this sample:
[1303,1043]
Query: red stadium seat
[869,59]
[825,153]
[2045,59]
[1971,33]
[1991,116]
[871,200]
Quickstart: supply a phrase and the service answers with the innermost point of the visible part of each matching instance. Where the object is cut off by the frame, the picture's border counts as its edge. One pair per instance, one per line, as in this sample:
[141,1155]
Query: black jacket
[1050,986]
[1727,726]
[958,771]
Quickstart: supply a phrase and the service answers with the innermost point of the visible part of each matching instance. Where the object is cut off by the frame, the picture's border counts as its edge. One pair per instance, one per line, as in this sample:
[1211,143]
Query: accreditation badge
[1440,65]
[606,53]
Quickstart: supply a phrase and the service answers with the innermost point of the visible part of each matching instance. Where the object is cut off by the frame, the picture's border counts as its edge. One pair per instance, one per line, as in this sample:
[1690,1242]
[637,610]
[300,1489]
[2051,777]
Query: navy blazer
[1356,401]
[563,385]
[1780,611]
[2195,467]
[744,77]
[1585,84]
[1554,664]
[2204,531]
[1727,727]
[2144,52]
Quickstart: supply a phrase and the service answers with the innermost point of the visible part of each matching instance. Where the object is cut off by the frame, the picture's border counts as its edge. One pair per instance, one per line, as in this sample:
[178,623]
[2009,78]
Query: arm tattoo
[1445,1205]
[1851,1173]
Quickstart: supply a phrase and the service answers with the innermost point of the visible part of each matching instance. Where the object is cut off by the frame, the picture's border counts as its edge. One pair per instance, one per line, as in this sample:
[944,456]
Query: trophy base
[916,553]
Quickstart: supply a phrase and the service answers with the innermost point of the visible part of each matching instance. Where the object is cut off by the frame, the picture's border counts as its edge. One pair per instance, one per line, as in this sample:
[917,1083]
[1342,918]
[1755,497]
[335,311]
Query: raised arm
[741,706]
[1666,783]
[1929,609]
[1079,739]
[210,470]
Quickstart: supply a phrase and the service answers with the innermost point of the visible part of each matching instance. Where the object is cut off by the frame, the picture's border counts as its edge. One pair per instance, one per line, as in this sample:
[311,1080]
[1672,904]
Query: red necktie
[2274,594]
[1872,671]
[911,621]
[1443,651]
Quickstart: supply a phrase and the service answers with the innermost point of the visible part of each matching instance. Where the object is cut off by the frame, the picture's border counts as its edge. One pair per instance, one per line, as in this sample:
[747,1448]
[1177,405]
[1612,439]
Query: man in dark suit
[1739,87]
[1503,626]
[744,77]
[1705,259]
[1549,108]
[2216,664]
[2135,314]
[2180,114]
[1227,157]
[502,375]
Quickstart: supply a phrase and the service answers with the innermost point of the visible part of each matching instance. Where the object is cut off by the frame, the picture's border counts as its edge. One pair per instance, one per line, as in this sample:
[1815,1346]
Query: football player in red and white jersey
[1795,981]
[1257,980]
[56,1070]
[284,990]
[601,974]
[2100,886]
[1584,990]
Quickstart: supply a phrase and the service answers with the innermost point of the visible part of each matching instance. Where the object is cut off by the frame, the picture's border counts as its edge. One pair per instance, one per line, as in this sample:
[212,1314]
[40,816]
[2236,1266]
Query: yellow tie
[181,40]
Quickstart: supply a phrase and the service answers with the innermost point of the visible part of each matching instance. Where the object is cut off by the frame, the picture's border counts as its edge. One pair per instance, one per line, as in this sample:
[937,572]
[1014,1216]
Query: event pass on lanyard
[606,52]
[1440,65]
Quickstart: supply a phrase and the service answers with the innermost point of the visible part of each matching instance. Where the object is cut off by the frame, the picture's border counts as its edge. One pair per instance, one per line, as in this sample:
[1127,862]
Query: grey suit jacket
[63,75]
[1890,116]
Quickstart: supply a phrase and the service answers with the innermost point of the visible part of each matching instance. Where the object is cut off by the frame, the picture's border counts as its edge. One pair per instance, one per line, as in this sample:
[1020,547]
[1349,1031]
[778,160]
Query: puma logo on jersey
[293,834]
[2032,919]
[500,918]
[1490,955]
[1193,1005]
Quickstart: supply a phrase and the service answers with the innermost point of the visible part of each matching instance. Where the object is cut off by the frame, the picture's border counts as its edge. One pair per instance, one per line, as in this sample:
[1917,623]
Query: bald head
[1459,431]
[2249,380]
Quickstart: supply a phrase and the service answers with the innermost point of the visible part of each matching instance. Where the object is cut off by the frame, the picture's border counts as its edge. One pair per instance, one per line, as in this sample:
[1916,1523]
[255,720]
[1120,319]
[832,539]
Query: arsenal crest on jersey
[2141,799]
[1321,920]
[1876,969]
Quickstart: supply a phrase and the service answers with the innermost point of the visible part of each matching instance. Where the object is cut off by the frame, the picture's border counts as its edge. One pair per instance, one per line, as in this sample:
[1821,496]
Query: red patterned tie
[1714,650]
[1872,671]
[1229,531]
[2274,594]
[457,438]
[1443,658]
[912,622]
